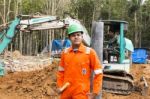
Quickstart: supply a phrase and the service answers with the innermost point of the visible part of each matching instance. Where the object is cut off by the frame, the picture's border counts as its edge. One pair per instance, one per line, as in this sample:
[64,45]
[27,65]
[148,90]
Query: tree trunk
[4,11]
[135,31]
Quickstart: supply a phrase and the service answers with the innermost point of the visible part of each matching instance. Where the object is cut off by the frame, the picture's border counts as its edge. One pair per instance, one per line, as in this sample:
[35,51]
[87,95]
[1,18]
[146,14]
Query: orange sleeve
[97,69]
[60,73]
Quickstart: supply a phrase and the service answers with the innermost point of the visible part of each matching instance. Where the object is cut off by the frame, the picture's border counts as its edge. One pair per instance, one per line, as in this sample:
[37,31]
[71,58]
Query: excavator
[117,77]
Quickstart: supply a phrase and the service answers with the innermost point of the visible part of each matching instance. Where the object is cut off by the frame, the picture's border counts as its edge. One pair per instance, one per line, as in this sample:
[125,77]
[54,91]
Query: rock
[16,54]
[19,80]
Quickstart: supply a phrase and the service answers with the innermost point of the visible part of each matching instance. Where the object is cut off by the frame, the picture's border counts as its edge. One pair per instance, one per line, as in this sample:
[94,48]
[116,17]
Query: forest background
[135,12]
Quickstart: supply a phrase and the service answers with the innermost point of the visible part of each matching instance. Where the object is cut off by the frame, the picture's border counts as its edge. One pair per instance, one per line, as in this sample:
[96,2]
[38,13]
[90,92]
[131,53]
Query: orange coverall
[75,68]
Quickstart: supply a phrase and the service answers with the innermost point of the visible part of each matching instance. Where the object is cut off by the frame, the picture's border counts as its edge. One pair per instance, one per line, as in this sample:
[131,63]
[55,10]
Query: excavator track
[118,84]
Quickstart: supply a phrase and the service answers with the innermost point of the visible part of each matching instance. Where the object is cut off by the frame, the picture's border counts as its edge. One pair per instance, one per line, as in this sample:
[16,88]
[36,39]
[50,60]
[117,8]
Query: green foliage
[133,11]
[115,9]
[32,6]
[83,9]
[145,24]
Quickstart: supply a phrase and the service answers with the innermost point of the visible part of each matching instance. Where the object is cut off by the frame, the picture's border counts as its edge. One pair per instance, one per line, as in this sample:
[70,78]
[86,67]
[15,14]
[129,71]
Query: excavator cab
[110,44]
[114,45]
[114,40]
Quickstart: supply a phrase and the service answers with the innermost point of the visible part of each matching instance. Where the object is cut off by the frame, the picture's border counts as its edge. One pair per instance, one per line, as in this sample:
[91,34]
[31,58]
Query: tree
[134,8]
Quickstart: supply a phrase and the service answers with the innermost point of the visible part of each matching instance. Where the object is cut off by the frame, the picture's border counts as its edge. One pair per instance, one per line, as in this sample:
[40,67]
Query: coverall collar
[81,48]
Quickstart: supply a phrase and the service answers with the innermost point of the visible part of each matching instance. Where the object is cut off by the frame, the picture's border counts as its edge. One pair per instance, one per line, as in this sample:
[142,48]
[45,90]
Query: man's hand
[58,90]
[92,95]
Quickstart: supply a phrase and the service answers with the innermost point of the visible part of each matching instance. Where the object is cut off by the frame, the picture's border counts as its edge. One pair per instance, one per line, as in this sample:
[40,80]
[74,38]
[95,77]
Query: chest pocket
[85,68]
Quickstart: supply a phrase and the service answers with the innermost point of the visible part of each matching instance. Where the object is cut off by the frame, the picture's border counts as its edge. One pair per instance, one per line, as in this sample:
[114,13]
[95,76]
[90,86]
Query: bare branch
[2,17]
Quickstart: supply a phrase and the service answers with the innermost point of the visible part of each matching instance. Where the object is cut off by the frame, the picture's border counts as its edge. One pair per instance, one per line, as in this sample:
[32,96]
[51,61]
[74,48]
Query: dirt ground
[30,85]
[41,84]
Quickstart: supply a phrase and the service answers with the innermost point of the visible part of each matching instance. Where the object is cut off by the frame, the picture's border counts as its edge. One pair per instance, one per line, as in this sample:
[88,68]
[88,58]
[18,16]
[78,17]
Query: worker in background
[75,68]
[113,35]
[112,46]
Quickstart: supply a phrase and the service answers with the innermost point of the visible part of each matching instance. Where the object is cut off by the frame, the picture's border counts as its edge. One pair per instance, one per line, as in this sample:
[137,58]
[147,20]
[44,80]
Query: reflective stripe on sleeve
[98,71]
[60,68]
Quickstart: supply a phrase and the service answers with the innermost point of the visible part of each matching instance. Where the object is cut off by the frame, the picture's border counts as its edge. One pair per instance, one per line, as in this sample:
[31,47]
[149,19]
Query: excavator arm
[7,34]
[26,23]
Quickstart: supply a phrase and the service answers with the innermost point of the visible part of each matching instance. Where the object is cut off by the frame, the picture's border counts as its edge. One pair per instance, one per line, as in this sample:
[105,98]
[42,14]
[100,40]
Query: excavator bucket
[145,86]
[141,86]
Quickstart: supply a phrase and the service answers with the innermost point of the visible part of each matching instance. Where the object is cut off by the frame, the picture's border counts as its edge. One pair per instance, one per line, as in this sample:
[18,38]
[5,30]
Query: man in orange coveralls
[75,68]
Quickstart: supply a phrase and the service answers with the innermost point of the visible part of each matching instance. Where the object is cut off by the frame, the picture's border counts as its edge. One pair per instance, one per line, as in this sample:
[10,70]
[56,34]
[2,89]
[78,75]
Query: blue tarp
[59,45]
[139,55]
